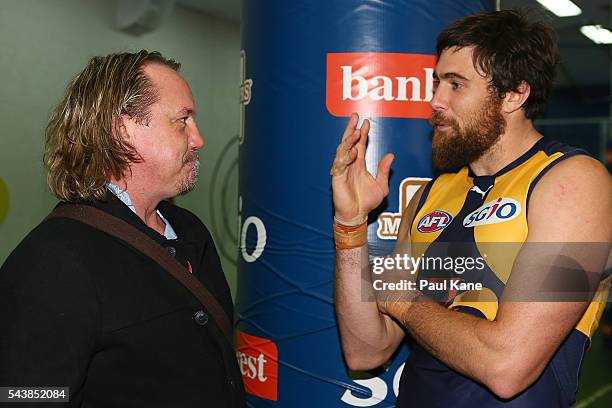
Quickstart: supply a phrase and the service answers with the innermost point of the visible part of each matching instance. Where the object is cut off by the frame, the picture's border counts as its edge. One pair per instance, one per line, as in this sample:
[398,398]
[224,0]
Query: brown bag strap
[140,241]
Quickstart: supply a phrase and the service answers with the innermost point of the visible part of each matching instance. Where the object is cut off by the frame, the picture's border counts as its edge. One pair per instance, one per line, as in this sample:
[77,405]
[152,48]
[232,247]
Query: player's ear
[514,100]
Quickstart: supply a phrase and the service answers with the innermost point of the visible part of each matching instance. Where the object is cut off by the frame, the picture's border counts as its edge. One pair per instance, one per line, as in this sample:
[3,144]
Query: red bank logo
[258,362]
[434,221]
[380,84]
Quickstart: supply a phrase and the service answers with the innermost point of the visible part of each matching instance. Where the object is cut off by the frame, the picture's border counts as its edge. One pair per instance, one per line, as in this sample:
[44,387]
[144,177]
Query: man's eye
[456,85]
[184,120]
[436,84]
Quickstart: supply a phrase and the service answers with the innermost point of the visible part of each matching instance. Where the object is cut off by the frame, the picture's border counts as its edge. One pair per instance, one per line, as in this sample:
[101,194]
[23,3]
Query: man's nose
[439,100]
[197,140]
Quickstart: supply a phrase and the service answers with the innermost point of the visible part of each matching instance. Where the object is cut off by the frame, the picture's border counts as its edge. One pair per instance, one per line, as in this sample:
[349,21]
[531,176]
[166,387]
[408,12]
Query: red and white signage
[380,84]
[258,362]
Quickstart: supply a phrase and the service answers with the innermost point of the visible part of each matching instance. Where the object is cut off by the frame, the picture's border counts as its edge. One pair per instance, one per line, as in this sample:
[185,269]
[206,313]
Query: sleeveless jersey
[462,216]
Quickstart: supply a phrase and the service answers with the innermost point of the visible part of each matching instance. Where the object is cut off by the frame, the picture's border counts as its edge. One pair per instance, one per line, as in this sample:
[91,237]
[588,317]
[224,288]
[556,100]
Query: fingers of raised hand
[344,158]
[364,130]
[363,138]
[346,153]
[382,174]
[351,126]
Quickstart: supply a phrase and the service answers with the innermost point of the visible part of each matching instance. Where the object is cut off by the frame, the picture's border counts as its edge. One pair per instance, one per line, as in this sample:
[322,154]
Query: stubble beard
[459,146]
[188,183]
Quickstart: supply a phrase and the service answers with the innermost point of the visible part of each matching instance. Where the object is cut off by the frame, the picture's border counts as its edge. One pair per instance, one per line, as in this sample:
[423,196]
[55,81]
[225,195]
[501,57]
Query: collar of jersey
[537,146]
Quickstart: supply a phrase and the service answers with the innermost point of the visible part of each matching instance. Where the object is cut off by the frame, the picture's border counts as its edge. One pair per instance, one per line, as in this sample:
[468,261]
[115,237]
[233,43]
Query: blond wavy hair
[83,146]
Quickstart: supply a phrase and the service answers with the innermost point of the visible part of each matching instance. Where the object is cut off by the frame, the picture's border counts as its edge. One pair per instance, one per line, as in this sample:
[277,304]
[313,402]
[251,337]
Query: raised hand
[355,191]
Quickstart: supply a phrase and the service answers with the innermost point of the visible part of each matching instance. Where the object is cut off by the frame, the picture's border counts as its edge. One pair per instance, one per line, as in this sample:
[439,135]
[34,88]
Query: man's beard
[188,183]
[460,146]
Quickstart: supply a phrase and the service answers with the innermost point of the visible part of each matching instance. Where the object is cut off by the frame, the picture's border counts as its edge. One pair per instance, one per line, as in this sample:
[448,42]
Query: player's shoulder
[576,172]
[574,192]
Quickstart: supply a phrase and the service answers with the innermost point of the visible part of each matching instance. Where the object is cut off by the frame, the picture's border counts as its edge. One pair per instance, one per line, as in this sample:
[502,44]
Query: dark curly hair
[509,50]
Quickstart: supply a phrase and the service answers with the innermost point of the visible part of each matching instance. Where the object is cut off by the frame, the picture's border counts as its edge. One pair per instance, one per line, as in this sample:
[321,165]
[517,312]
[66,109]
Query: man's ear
[514,100]
[120,128]
[122,131]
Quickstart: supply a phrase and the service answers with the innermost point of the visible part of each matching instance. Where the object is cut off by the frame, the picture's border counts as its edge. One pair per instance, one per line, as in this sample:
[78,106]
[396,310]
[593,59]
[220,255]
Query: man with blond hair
[119,295]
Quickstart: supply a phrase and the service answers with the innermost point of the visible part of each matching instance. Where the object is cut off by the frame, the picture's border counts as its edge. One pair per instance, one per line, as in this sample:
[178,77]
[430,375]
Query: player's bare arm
[510,352]
[368,336]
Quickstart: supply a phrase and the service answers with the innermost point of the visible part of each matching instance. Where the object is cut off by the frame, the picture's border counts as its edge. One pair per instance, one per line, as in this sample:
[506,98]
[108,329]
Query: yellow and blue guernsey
[457,215]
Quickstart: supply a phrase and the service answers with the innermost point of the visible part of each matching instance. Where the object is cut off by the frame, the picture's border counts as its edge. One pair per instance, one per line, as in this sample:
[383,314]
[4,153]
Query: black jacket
[82,309]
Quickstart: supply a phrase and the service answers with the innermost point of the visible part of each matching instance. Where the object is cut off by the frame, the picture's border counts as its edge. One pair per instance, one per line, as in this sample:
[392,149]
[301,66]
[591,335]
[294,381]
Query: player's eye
[436,84]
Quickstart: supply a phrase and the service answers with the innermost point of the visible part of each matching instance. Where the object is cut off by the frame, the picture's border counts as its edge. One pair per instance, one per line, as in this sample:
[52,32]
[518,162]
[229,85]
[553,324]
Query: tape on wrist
[349,237]
[352,223]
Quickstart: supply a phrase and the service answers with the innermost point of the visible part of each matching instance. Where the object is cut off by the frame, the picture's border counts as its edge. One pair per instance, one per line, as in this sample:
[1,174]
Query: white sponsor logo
[499,210]
[252,367]
[261,234]
[376,386]
[382,87]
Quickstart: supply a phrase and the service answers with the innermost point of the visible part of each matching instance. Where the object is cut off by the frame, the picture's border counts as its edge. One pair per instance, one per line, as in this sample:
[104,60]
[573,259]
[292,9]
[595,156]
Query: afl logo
[434,221]
[493,212]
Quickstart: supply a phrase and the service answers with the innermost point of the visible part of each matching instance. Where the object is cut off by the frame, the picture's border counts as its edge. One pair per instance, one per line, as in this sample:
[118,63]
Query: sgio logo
[258,362]
[493,212]
[383,84]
